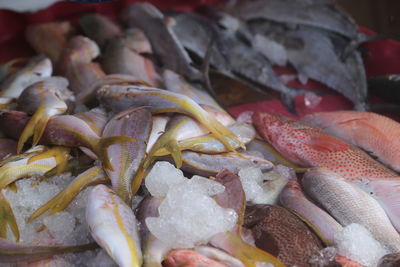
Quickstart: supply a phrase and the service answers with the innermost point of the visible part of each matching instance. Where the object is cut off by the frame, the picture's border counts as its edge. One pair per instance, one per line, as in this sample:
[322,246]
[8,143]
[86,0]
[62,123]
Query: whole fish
[49,38]
[157,28]
[43,99]
[293,199]
[119,98]
[211,164]
[282,234]
[124,159]
[370,131]
[114,226]
[38,67]
[310,146]
[99,28]
[349,204]
[154,250]
[119,58]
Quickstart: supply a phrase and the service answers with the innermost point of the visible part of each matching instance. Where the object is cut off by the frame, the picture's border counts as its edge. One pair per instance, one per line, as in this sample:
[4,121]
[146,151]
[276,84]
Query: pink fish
[370,131]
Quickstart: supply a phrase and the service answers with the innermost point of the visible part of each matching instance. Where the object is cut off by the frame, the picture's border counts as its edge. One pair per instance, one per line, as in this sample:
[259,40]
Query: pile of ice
[356,243]
[64,228]
[188,215]
[262,188]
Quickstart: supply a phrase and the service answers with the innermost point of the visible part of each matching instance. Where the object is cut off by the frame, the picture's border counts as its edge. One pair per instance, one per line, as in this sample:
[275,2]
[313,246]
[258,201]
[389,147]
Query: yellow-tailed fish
[114,226]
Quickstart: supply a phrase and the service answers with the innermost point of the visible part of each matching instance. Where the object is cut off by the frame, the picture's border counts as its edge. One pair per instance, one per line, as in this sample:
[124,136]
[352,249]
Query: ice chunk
[245,117]
[311,100]
[189,216]
[324,257]
[356,243]
[60,225]
[162,176]
[262,188]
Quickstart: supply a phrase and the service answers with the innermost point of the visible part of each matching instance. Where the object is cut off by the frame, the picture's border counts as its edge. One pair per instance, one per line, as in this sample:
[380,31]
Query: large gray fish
[350,204]
[125,158]
[313,54]
[165,44]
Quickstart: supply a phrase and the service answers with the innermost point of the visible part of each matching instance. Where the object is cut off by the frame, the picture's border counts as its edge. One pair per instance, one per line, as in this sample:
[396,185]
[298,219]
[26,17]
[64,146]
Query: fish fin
[105,142]
[62,199]
[61,155]
[249,254]
[327,143]
[35,127]
[7,218]
[288,101]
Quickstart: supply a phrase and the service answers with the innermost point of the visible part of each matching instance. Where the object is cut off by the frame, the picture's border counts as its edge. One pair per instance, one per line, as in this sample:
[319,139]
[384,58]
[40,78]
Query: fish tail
[61,155]
[59,202]
[7,219]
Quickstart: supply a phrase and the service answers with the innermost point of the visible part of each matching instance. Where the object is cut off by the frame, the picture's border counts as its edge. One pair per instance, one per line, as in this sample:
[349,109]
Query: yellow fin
[35,127]
[7,218]
[61,155]
[249,254]
[105,142]
[61,200]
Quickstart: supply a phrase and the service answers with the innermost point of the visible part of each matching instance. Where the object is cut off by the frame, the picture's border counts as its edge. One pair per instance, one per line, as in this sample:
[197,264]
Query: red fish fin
[326,143]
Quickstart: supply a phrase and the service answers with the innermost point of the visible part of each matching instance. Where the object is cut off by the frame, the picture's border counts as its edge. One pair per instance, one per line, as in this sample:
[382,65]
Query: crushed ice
[67,227]
[262,188]
[356,243]
[189,215]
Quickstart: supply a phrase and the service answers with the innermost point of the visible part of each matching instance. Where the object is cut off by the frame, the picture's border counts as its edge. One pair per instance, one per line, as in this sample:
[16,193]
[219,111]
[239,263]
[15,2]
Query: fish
[189,258]
[11,252]
[37,68]
[293,199]
[119,58]
[154,250]
[282,234]
[113,226]
[310,146]
[219,256]
[211,164]
[99,28]
[158,29]
[122,160]
[12,66]
[372,132]
[119,98]
[313,55]
[49,38]
[8,147]
[350,204]
[138,41]
[157,129]
[59,202]
[233,241]
[43,99]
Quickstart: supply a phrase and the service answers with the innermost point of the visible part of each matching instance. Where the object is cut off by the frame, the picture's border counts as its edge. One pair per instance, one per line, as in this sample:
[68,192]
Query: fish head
[296,140]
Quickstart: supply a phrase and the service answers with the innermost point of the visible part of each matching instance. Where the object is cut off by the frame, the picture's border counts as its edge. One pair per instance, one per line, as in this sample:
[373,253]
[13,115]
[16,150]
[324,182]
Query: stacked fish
[93,95]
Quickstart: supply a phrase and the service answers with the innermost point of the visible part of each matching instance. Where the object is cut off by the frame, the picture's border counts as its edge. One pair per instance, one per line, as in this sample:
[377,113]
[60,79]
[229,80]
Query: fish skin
[389,260]
[310,146]
[158,29]
[293,199]
[8,147]
[154,250]
[38,67]
[350,204]
[138,41]
[99,28]
[126,157]
[370,131]
[189,258]
[96,118]
[114,226]
[209,164]
[157,129]
[119,58]
[49,38]
[219,256]
[282,234]
[83,75]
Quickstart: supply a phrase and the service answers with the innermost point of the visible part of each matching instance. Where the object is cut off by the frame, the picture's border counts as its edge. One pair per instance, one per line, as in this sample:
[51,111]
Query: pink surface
[383,56]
